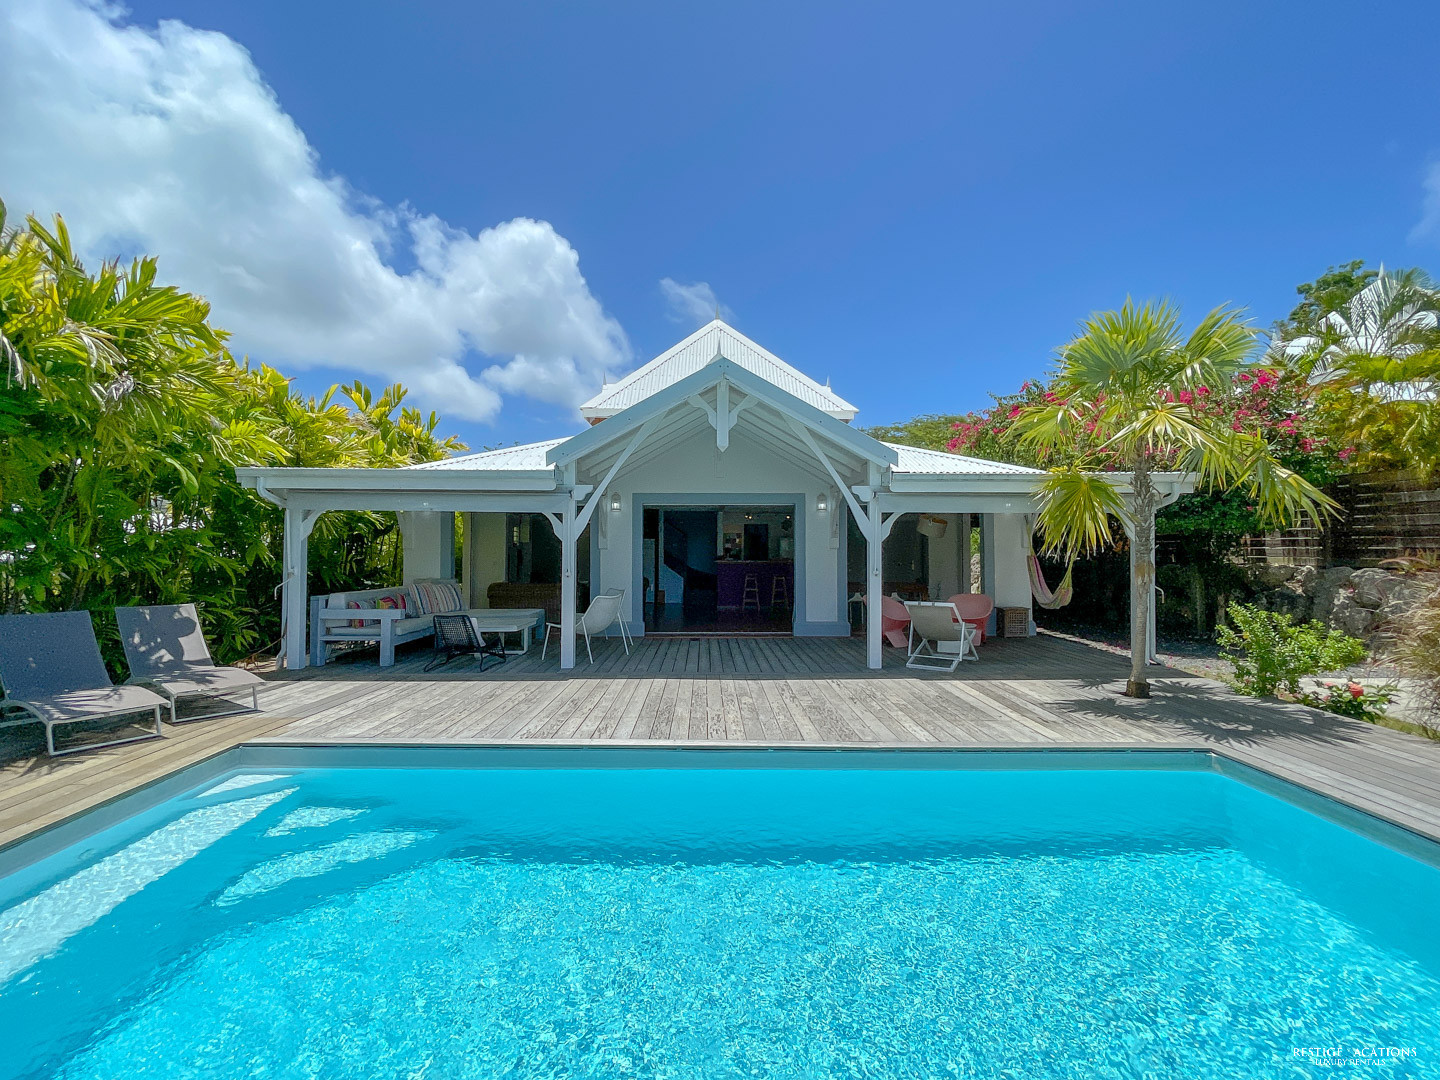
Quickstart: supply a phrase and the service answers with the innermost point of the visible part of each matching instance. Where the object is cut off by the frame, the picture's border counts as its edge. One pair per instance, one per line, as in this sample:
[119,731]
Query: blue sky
[915,201]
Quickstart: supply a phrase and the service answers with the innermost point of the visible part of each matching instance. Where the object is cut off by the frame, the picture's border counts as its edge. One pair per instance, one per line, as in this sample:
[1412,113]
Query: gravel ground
[1202,658]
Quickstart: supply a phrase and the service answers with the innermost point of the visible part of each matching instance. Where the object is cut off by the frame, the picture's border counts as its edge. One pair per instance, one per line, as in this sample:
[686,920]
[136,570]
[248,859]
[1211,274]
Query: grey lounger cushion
[72,705]
[52,663]
[165,647]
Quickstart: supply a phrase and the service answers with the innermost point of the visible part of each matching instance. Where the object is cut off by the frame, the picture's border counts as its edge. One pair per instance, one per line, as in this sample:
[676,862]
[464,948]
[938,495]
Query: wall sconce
[615,502]
[822,502]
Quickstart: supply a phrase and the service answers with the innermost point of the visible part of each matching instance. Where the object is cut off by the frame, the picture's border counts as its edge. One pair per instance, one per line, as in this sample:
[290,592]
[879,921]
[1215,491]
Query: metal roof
[526,456]
[937,462]
[700,348]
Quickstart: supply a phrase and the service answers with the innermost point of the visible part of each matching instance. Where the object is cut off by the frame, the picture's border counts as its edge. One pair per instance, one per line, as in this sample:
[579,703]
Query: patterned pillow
[390,603]
[435,597]
[359,623]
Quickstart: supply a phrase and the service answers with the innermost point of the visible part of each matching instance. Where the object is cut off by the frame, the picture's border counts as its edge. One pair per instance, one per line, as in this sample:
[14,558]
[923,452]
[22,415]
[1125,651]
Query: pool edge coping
[54,837]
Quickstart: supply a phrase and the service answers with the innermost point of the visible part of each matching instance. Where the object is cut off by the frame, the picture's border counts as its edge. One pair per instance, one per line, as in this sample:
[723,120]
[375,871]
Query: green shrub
[1352,699]
[1270,652]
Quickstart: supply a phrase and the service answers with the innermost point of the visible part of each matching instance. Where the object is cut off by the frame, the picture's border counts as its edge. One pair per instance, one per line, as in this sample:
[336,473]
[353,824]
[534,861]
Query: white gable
[699,349]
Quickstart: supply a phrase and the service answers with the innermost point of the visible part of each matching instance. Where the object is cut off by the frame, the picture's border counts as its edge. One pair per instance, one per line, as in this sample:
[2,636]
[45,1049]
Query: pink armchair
[975,609]
[894,621]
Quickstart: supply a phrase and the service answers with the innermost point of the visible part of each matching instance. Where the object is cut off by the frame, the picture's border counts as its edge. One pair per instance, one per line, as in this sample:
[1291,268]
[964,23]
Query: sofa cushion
[434,597]
[362,603]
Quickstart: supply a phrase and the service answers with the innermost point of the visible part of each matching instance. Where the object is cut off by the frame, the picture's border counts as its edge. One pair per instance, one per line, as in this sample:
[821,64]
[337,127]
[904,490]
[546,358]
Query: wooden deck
[1037,693]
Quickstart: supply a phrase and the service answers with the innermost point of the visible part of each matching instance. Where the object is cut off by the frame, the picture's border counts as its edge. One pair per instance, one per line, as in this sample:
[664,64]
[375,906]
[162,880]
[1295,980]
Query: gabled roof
[656,406]
[700,348]
[939,463]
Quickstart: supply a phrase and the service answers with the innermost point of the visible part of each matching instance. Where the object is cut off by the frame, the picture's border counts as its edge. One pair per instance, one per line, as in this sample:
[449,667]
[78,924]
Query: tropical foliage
[1270,652]
[1372,362]
[1418,653]
[122,417]
[1133,393]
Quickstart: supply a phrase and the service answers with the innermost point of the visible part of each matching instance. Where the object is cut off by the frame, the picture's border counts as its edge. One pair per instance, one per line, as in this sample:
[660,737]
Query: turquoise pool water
[438,923]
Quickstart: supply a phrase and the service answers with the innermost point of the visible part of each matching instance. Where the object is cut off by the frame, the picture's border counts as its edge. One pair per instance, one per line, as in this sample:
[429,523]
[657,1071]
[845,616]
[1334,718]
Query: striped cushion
[434,597]
[360,623]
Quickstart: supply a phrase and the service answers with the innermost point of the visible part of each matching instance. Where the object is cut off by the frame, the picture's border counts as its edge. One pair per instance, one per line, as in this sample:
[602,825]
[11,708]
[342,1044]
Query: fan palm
[1132,396]
[1375,366]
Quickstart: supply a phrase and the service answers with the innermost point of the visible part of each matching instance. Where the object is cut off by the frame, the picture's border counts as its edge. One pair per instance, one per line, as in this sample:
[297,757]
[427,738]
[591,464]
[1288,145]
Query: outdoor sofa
[393,616]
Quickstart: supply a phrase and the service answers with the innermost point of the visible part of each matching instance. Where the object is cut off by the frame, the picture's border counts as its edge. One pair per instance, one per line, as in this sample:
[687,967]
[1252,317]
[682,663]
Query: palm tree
[1374,364]
[1133,396]
[1393,320]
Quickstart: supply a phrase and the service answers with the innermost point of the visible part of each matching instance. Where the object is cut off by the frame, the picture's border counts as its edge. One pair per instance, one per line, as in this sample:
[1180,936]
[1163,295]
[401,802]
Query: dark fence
[1382,516]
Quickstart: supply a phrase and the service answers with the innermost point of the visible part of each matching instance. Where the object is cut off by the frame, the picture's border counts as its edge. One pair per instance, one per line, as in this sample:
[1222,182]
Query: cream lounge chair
[166,651]
[939,640]
[53,674]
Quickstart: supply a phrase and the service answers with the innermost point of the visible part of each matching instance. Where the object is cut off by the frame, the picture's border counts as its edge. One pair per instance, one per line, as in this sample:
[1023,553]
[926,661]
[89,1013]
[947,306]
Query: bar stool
[751,594]
[779,593]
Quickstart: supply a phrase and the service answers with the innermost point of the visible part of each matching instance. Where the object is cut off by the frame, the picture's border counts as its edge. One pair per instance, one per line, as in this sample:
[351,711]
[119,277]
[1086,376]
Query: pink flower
[1356,690]
[1014,411]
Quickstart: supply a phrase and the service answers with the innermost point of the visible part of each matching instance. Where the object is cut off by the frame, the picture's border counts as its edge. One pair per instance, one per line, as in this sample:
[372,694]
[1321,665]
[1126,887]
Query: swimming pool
[682,914]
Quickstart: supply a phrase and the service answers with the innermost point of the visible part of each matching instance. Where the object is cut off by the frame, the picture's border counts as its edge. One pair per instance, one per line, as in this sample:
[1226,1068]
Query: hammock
[1038,589]
[1043,596]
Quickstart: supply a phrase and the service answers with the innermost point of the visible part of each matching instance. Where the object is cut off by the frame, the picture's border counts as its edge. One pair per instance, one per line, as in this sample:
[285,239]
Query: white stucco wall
[484,561]
[429,544]
[696,473]
[1006,551]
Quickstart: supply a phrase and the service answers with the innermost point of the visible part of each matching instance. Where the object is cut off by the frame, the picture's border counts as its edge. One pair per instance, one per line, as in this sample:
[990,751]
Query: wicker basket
[1012,622]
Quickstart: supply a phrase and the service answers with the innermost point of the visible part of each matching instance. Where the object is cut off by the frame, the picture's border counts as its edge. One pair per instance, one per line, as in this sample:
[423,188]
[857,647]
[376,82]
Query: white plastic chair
[628,637]
[598,617]
[933,622]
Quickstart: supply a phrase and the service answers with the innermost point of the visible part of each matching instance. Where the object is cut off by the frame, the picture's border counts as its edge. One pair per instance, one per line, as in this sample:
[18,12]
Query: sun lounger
[53,674]
[939,640]
[166,651]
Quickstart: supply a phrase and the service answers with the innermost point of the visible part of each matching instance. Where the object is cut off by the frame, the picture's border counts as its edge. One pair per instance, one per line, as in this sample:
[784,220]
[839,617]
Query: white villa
[721,489]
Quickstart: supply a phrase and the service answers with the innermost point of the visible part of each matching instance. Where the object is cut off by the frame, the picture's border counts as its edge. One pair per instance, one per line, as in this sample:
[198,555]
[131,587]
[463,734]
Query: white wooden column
[567,587]
[874,584]
[963,542]
[295,569]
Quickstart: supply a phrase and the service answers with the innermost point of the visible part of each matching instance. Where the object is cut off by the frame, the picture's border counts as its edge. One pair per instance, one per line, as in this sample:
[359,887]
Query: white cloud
[168,141]
[692,303]
[1428,227]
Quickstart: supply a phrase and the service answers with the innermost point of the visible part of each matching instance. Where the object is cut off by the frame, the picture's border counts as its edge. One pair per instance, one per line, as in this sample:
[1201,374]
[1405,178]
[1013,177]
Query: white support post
[963,539]
[722,416]
[874,538]
[295,571]
[567,588]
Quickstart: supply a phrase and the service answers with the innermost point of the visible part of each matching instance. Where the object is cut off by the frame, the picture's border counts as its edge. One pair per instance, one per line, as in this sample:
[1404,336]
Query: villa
[719,488]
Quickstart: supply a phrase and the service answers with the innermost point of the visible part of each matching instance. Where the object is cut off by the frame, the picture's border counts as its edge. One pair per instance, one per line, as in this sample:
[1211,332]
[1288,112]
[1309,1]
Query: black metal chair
[455,635]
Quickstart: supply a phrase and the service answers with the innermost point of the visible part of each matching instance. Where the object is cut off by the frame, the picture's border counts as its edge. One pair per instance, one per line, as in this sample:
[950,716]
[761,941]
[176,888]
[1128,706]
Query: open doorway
[726,570]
